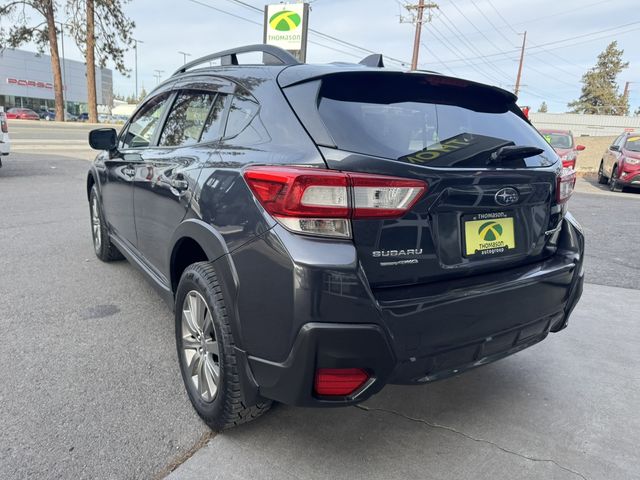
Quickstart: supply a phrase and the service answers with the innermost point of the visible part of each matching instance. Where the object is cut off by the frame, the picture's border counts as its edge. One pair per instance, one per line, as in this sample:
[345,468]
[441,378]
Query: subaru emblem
[507,196]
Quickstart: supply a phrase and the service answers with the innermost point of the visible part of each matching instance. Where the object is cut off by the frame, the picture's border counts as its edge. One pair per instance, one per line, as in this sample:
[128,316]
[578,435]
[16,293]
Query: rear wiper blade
[512,152]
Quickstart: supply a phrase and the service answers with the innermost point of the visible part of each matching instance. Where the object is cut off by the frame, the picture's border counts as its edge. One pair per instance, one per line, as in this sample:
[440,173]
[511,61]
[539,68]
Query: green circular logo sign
[285,21]
[490,231]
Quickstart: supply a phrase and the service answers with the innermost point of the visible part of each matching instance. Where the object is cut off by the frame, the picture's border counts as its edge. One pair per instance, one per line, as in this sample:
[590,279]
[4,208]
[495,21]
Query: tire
[614,185]
[102,246]
[602,178]
[206,350]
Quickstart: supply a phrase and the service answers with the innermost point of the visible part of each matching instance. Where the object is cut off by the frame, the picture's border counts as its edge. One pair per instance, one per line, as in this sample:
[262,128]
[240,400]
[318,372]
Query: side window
[241,113]
[187,118]
[213,127]
[144,124]
[243,122]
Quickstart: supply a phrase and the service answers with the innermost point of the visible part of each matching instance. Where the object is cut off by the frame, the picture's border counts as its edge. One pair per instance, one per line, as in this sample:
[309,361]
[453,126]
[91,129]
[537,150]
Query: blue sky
[465,38]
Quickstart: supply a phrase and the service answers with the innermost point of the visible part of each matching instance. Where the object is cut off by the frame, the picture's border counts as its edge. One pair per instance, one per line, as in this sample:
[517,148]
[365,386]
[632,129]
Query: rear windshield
[558,140]
[425,120]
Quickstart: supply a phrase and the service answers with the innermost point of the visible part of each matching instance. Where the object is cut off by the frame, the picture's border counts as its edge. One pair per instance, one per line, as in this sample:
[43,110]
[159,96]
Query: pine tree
[599,86]
[102,32]
[543,107]
[41,31]
[143,94]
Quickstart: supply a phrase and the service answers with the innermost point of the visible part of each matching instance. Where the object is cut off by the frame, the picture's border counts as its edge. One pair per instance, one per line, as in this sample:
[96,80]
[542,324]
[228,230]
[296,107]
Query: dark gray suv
[324,230]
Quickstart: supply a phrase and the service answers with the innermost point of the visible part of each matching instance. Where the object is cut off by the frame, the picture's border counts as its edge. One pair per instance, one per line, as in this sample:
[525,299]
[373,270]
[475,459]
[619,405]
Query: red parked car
[620,165]
[22,114]
[564,145]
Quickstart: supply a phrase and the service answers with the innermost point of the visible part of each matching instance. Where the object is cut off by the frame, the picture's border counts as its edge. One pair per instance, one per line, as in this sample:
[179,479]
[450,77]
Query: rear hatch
[481,211]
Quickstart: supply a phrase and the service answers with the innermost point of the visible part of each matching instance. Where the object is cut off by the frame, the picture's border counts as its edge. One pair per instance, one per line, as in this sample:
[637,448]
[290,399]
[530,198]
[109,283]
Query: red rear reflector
[339,381]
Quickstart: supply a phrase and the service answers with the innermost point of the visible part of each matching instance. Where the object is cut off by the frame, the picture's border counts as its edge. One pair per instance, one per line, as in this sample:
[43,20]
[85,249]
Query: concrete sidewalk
[564,409]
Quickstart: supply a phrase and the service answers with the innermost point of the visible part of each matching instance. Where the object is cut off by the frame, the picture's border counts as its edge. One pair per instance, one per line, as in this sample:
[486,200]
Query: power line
[324,35]
[239,17]
[458,53]
[490,22]
[475,27]
[469,45]
[502,18]
[568,39]
[555,15]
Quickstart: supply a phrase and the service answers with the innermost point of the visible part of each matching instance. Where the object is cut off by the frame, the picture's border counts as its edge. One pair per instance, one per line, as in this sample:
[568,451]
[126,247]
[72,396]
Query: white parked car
[4,135]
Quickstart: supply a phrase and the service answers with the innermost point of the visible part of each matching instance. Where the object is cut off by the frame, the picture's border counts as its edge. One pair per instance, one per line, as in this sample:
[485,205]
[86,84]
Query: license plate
[489,236]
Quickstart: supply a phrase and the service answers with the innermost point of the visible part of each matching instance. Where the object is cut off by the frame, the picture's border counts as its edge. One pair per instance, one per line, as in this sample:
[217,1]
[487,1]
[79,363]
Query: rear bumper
[446,330]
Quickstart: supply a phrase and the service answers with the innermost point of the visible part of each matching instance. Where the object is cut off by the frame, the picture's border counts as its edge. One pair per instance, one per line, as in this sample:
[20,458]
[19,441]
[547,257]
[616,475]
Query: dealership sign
[285,26]
[30,83]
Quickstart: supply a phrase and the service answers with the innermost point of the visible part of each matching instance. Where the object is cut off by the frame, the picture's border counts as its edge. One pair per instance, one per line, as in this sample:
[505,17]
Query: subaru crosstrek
[324,230]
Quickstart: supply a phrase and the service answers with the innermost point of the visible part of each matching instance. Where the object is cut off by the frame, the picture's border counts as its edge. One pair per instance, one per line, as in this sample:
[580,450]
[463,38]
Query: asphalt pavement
[90,385]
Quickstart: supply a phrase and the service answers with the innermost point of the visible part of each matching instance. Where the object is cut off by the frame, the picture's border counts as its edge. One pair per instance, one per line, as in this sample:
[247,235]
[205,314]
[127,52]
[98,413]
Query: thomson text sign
[285,26]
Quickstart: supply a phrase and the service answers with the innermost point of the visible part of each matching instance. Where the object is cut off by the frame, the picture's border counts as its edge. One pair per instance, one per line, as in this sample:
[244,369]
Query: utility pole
[524,42]
[184,57]
[419,21]
[135,48]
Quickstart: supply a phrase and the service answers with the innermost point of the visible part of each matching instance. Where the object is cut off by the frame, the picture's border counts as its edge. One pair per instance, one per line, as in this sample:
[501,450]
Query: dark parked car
[50,115]
[324,230]
[620,164]
[22,114]
[565,146]
[83,117]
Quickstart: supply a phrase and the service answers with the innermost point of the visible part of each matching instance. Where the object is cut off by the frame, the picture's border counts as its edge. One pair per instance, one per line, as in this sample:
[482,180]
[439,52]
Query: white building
[26,80]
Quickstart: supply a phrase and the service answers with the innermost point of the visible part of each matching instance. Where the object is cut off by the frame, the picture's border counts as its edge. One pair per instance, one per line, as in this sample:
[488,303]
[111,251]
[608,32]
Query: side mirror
[580,148]
[614,148]
[103,139]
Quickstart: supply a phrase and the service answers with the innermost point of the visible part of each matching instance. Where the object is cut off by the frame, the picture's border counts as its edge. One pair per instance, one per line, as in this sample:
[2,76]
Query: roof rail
[373,60]
[230,57]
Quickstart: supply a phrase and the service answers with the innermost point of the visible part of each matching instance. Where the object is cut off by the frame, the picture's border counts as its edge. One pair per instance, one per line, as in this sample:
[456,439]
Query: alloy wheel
[613,180]
[96,224]
[200,347]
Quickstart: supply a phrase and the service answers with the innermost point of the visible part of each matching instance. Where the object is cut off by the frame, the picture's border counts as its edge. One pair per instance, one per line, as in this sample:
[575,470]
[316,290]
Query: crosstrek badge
[489,236]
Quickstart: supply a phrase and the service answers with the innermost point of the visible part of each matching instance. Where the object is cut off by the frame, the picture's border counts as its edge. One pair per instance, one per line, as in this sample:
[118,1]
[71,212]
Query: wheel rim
[612,179]
[200,347]
[96,224]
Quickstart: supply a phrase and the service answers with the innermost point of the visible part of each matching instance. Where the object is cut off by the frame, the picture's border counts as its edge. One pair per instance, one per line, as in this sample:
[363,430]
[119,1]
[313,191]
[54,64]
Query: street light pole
[158,75]
[135,47]
[184,56]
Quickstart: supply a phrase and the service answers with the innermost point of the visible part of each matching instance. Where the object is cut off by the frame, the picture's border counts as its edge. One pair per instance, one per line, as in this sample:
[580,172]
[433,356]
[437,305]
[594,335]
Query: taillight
[322,202]
[4,126]
[339,382]
[566,184]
